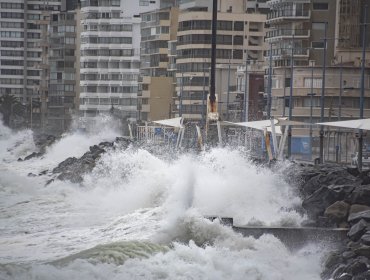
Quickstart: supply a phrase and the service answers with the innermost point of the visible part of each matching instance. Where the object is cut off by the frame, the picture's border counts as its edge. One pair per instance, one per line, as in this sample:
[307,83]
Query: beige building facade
[240,37]
[156,84]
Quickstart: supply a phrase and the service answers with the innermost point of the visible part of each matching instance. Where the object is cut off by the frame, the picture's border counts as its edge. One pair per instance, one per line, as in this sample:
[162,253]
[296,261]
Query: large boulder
[356,208]
[361,195]
[354,218]
[363,250]
[338,176]
[337,211]
[357,230]
[325,196]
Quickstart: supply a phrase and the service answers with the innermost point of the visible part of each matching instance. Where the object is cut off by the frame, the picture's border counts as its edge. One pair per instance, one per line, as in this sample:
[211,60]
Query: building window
[238,40]
[317,45]
[318,26]
[317,82]
[224,25]
[321,6]
[238,26]
[238,54]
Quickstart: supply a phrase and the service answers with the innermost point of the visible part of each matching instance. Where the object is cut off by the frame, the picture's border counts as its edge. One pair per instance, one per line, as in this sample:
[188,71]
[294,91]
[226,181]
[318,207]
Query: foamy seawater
[141,215]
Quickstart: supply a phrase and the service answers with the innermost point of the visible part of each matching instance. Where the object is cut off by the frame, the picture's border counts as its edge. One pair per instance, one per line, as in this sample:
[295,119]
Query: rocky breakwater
[337,196]
[73,169]
[42,141]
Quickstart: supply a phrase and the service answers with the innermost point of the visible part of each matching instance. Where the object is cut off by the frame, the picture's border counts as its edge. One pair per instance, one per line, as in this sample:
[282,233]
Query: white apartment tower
[110,56]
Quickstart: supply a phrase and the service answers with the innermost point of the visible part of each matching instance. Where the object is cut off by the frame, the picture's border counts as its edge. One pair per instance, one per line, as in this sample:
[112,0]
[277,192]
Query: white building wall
[108,79]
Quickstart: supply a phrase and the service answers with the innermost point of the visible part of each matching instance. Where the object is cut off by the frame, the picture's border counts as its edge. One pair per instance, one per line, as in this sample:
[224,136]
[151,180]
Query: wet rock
[353,171]
[363,250]
[348,254]
[361,195]
[70,176]
[363,276]
[49,182]
[43,172]
[65,165]
[356,208]
[365,239]
[357,230]
[338,211]
[333,259]
[73,169]
[316,203]
[354,218]
[33,155]
[31,174]
[20,159]
[344,276]
[339,271]
[43,140]
[358,266]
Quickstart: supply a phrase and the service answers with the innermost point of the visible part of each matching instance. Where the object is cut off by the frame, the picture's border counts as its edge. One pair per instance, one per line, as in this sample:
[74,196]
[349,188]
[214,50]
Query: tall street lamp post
[228,90]
[246,94]
[323,97]
[291,99]
[311,94]
[360,138]
[181,93]
[269,85]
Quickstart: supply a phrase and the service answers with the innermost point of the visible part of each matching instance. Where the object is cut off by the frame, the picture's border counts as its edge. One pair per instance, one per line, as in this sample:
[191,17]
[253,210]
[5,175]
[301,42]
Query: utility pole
[228,92]
[291,99]
[204,95]
[212,94]
[269,97]
[323,97]
[311,94]
[360,138]
[340,89]
[246,94]
[181,93]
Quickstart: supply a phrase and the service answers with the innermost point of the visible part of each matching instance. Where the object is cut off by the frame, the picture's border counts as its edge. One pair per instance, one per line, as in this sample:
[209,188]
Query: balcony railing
[287,52]
[288,32]
[287,13]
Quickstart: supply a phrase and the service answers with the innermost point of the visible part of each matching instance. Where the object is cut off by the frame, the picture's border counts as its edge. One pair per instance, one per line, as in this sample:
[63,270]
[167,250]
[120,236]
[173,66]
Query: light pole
[246,94]
[228,91]
[291,99]
[270,85]
[311,94]
[360,138]
[204,95]
[284,92]
[181,92]
[340,90]
[322,97]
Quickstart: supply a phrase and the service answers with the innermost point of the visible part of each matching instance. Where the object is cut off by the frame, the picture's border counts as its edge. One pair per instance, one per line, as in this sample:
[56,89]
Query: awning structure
[354,124]
[259,125]
[285,121]
[175,122]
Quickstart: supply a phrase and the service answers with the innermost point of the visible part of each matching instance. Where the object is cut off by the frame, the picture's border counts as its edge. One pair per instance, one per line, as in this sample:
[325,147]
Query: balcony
[279,34]
[284,53]
[281,15]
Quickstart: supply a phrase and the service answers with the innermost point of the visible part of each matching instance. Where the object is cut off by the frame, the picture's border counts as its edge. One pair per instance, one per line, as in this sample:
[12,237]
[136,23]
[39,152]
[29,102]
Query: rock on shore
[73,169]
[337,196]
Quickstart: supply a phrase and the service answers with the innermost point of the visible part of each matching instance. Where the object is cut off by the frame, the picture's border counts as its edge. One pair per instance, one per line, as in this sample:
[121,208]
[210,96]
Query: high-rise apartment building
[240,37]
[24,69]
[110,56]
[316,59]
[158,28]
[64,66]
[303,33]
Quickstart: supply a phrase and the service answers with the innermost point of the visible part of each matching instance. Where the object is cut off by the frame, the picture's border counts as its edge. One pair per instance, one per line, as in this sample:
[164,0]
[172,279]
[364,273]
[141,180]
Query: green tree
[9,106]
